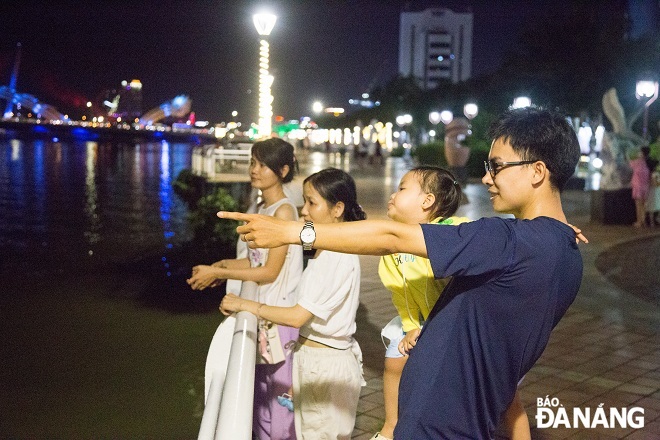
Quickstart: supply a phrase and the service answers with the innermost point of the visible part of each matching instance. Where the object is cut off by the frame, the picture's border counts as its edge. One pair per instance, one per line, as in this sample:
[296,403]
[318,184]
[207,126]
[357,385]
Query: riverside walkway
[605,350]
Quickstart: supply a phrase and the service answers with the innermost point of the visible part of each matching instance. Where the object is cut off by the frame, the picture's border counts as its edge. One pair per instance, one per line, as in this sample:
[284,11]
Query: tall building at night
[435,44]
[130,100]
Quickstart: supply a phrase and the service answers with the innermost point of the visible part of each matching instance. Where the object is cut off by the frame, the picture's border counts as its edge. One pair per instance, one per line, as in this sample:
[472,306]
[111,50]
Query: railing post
[235,419]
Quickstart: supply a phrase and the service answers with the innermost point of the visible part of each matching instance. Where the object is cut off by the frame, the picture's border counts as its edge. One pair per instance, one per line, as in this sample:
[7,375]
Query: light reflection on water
[67,203]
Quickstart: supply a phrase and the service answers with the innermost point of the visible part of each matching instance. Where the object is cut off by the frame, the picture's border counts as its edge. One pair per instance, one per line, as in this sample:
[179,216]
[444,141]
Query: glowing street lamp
[470,110]
[446,116]
[317,107]
[403,121]
[434,118]
[647,90]
[521,101]
[264,23]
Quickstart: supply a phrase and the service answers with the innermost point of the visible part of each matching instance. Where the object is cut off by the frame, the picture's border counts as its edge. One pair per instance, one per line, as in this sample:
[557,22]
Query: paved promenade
[605,350]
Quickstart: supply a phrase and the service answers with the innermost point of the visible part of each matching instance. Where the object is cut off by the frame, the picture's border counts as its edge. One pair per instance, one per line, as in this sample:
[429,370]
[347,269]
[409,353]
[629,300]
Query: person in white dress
[277,272]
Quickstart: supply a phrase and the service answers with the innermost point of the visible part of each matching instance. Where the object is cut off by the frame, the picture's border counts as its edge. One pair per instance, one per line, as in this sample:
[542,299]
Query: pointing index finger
[233,216]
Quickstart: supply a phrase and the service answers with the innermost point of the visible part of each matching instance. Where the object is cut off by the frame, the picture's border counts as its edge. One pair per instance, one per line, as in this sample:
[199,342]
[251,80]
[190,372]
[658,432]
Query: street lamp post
[646,90]
[403,121]
[434,119]
[470,110]
[264,23]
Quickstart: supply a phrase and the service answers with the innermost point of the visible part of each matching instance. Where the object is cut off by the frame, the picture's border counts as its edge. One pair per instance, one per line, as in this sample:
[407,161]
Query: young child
[278,272]
[425,195]
[327,373]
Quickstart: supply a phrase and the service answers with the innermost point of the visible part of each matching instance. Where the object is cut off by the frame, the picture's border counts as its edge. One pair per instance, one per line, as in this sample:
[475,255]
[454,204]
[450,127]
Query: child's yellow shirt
[410,279]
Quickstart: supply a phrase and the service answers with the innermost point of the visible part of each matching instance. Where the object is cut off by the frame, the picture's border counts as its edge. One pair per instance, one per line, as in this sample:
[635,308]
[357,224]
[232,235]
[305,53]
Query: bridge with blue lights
[44,120]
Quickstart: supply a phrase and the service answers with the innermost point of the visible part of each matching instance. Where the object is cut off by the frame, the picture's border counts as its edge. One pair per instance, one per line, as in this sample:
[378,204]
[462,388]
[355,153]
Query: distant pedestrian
[378,154]
[641,184]
[653,201]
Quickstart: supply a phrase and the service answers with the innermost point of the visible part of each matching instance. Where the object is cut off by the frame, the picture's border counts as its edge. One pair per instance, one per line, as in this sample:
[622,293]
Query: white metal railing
[209,160]
[228,408]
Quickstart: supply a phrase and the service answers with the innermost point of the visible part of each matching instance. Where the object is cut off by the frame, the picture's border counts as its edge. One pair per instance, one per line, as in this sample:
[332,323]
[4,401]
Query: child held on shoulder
[425,194]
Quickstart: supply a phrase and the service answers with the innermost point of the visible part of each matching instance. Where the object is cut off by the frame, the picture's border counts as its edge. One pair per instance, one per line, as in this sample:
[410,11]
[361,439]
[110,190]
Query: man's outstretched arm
[367,237]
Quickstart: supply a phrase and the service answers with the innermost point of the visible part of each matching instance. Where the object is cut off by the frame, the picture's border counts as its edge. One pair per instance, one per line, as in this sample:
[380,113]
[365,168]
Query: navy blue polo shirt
[512,282]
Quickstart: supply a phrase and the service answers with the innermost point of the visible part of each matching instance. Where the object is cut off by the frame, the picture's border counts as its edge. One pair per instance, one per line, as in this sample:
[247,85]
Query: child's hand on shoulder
[409,341]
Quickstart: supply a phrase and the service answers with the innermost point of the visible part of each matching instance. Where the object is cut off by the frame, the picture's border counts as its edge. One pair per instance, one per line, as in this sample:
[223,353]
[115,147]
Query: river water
[100,335]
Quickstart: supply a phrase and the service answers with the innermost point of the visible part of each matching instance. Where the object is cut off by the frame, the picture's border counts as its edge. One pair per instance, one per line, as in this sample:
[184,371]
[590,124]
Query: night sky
[320,50]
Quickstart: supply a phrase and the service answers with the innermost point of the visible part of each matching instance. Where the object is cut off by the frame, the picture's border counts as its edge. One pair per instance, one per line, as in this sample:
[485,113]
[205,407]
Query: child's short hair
[540,134]
[443,185]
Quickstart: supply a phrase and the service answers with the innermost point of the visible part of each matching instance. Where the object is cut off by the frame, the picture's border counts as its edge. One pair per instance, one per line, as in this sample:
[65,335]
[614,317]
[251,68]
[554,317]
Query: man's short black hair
[535,133]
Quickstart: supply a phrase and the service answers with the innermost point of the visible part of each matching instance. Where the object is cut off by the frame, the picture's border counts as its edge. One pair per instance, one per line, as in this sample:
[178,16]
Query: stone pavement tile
[358,434]
[614,399]
[619,376]
[642,434]
[572,398]
[645,365]
[653,374]
[367,423]
[533,376]
[647,381]
[634,371]
[607,384]
[649,404]
[636,389]
[551,433]
[544,369]
[573,376]
[591,434]
[364,405]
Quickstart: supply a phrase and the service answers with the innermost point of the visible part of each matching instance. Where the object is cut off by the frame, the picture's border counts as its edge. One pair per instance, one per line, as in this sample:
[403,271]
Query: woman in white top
[278,272]
[327,372]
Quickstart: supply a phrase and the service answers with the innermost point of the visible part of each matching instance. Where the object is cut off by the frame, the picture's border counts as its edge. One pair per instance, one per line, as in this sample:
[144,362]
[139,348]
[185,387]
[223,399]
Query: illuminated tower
[130,100]
[264,24]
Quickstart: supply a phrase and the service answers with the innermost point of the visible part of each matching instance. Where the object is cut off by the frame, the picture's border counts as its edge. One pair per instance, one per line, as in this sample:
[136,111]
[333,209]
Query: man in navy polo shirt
[513,279]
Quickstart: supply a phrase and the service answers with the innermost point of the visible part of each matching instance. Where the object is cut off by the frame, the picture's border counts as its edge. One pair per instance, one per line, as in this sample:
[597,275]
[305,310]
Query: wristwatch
[308,236]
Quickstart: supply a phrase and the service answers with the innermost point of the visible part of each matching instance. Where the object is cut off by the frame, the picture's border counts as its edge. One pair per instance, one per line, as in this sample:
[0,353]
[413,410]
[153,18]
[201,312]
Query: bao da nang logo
[550,413]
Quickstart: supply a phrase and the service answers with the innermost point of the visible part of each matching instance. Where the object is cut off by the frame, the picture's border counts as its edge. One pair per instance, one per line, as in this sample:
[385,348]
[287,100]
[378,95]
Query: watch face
[308,235]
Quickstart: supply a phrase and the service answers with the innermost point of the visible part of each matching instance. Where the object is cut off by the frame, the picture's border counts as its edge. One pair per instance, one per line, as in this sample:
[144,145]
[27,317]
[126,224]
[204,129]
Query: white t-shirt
[330,290]
[281,291]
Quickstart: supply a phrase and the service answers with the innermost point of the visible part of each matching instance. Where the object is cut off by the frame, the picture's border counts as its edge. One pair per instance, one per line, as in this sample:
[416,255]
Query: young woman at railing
[327,371]
[277,272]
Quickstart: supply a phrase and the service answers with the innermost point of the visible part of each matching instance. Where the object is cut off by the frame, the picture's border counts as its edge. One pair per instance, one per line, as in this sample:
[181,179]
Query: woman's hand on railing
[231,303]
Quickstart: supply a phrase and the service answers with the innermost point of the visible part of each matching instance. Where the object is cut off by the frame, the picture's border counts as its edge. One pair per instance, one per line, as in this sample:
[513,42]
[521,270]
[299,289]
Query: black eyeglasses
[493,167]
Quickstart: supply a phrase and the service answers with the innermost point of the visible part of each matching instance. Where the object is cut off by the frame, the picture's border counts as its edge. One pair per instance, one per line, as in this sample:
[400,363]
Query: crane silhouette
[24,100]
